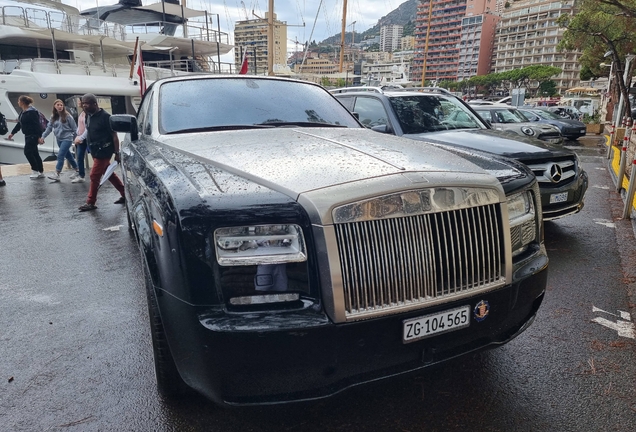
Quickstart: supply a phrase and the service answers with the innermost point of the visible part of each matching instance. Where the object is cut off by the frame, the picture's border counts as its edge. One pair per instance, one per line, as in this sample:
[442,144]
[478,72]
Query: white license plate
[583,130]
[554,140]
[558,197]
[429,325]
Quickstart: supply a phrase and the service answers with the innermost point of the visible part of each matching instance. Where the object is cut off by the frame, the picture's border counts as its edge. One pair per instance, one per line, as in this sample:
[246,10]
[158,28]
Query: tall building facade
[528,35]
[448,39]
[390,36]
[251,36]
[477,45]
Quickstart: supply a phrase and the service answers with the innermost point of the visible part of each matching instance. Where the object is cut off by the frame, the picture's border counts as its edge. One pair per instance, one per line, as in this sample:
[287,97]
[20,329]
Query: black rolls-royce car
[290,253]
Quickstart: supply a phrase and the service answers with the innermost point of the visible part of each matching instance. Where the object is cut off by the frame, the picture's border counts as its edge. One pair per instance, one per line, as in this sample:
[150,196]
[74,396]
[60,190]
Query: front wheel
[169,382]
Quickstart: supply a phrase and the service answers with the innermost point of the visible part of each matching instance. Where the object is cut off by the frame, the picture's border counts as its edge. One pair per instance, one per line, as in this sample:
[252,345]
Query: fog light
[264,299]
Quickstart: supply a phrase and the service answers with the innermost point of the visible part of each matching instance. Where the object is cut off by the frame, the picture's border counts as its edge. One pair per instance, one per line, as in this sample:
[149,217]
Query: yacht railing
[34,18]
[199,32]
[153,70]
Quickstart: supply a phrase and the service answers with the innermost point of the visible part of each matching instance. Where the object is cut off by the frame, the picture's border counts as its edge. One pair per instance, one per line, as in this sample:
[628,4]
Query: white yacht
[49,50]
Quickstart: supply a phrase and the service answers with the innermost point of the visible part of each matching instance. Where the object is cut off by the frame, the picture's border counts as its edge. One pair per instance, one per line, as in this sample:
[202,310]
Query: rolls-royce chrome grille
[395,263]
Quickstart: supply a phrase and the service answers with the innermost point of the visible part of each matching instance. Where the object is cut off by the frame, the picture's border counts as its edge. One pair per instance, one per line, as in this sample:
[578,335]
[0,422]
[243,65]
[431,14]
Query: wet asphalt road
[75,352]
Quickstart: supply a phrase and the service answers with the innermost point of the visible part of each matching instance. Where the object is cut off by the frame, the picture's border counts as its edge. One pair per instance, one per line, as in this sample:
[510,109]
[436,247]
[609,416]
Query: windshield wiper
[220,128]
[302,124]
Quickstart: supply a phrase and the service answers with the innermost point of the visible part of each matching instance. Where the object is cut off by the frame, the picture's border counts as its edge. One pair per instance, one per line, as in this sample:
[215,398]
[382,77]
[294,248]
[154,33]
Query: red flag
[243,70]
[139,70]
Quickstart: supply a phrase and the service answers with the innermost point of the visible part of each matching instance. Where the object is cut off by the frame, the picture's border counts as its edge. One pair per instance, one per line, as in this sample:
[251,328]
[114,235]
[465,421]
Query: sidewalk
[25,168]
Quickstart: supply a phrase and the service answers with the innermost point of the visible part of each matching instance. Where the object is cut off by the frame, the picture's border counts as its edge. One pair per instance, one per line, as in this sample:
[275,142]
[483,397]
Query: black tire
[169,382]
[131,227]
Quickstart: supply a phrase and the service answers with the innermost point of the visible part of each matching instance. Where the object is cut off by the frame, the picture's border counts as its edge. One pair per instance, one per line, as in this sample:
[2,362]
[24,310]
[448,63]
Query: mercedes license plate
[554,140]
[441,322]
[558,197]
[583,130]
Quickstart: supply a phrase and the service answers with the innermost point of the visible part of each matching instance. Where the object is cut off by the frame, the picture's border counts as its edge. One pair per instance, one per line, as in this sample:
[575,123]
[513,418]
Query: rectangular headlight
[259,244]
[520,209]
[521,214]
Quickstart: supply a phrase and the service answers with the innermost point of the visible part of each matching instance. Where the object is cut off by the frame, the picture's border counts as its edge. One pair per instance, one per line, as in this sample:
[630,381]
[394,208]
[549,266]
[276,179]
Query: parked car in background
[289,253]
[568,112]
[508,119]
[570,129]
[433,115]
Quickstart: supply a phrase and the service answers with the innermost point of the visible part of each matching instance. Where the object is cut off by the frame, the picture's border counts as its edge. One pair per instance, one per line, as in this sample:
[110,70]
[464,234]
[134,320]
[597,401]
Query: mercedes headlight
[527,130]
[259,244]
[521,214]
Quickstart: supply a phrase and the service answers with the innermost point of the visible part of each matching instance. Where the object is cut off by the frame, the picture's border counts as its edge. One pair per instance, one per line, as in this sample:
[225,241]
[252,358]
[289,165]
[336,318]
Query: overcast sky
[365,13]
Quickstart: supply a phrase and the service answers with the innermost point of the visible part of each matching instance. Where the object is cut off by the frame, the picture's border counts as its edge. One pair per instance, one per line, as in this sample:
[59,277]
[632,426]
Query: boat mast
[428,32]
[342,35]
[270,39]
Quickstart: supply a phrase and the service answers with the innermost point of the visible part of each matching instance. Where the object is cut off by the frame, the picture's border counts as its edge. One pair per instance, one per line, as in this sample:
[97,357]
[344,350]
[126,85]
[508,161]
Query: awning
[583,90]
[172,9]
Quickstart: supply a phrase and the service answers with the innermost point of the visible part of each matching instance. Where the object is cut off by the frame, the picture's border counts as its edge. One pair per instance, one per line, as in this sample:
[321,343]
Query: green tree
[547,88]
[600,27]
[326,82]
[409,29]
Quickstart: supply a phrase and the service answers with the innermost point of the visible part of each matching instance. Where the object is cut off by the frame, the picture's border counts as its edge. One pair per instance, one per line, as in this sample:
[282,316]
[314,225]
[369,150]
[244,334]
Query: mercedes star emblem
[556,173]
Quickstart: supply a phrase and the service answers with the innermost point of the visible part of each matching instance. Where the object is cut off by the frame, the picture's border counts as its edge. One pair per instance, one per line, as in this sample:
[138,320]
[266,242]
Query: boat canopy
[172,9]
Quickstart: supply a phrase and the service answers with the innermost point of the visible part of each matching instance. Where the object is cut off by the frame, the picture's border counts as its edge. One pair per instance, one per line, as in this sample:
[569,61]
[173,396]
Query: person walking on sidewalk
[80,145]
[29,123]
[63,127]
[103,143]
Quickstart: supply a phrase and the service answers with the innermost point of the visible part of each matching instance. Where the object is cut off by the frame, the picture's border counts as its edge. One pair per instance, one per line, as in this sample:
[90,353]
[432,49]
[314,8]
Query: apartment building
[477,45]
[440,45]
[390,36]
[251,36]
[407,43]
[528,34]
[317,66]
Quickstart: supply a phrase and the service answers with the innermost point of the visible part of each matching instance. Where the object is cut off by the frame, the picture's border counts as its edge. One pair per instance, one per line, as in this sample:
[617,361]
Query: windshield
[547,115]
[235,103]
[428,113]
[507,115]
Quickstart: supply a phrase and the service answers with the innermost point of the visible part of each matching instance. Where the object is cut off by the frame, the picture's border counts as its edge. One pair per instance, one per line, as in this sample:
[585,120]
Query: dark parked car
[435,115]
[289,253]
[570,129]
[566,112]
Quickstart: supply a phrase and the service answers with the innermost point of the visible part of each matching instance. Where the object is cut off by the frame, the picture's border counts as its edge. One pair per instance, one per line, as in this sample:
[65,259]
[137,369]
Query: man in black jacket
[29,123]
[103,143]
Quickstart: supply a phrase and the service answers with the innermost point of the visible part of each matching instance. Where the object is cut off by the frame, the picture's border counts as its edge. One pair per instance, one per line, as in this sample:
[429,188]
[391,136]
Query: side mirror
[125,123]
[382,128]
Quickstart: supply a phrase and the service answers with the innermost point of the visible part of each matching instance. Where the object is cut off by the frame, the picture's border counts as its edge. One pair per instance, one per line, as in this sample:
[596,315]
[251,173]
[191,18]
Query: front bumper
[575,201]
[551,138]
[573,133]
[262,358]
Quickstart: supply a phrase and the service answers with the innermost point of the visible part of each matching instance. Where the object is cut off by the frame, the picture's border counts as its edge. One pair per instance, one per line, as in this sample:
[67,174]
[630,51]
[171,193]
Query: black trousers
[32,153]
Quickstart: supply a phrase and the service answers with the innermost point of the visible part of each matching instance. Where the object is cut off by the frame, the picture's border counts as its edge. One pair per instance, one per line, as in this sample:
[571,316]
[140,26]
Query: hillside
[401,16]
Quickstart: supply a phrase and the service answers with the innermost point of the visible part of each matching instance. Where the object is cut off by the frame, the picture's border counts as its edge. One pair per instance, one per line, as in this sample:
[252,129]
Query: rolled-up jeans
[64,153]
